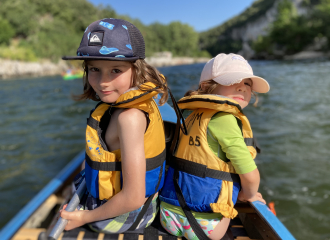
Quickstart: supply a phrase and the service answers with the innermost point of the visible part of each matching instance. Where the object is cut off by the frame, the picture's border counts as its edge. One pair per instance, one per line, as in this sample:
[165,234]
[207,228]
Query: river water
[42,129]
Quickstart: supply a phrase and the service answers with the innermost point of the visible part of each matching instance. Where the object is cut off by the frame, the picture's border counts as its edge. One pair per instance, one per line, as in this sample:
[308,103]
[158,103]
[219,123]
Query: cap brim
[260,85]
[131,59]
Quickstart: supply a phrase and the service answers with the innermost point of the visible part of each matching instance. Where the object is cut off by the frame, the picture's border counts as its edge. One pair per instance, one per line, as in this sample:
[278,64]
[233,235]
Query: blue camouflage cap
[110,39]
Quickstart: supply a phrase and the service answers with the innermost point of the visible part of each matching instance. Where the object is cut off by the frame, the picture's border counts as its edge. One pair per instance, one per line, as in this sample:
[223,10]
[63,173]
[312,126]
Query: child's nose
[241,88]
[104,78]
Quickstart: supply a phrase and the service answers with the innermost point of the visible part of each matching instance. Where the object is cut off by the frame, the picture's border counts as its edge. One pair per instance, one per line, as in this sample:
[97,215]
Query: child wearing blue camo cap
[125,141]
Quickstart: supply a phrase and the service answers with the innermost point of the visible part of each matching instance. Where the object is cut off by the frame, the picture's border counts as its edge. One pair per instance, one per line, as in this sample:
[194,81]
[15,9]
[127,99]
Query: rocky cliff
[237,34]
[251,30]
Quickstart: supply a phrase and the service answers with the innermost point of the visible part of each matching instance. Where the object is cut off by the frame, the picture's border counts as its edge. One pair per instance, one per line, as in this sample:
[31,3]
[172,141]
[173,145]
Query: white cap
[229,69]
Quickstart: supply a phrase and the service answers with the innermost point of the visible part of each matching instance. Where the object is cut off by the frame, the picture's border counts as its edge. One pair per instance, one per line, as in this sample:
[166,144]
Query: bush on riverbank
[7,31]
[18,53]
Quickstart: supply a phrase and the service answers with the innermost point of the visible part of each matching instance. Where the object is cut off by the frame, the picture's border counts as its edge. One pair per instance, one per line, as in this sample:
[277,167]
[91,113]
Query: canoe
[36,220]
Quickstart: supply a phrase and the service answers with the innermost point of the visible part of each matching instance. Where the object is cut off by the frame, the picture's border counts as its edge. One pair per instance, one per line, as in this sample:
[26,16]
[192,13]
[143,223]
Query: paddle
[75,200]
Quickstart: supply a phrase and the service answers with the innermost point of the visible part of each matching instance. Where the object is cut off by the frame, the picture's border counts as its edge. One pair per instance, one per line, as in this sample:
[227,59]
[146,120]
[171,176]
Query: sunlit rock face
[250,30]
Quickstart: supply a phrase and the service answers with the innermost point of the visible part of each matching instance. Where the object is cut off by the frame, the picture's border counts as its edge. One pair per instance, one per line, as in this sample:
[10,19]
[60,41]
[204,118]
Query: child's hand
[256,197]
[75,218]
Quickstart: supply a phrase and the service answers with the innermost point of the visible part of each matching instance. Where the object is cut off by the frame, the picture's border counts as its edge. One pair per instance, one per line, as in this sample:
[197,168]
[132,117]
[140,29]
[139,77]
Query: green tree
[53,40]
[21,14]
[184,39]
[157,37]
[289,29]
[320,20]
[178,38]
[6,31]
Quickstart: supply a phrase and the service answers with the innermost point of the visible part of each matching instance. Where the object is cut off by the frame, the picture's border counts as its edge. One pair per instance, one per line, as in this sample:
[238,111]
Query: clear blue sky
[200,14]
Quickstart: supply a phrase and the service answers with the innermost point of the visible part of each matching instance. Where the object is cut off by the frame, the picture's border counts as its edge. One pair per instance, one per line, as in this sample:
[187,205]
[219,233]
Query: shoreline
[14,69]
[10,69]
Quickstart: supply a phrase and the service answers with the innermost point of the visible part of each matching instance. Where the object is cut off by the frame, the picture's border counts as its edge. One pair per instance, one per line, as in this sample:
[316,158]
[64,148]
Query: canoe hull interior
[247,225]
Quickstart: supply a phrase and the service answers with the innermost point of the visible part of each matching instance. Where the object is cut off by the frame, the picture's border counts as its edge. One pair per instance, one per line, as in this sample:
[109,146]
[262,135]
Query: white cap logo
[95,38]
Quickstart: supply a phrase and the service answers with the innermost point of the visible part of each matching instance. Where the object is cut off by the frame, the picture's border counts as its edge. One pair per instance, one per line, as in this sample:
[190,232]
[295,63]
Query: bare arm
[250,183]
[131,127]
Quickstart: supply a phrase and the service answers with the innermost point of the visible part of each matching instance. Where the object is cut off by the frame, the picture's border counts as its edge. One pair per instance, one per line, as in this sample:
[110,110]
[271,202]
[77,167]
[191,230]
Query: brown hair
[142,73]
[207,87]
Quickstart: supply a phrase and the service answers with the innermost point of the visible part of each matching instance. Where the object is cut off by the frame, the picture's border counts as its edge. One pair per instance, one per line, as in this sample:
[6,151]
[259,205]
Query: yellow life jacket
[208,184]
[103,168]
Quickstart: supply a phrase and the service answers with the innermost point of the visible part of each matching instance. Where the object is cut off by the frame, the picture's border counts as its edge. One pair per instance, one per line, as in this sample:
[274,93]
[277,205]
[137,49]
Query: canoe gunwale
[54,185]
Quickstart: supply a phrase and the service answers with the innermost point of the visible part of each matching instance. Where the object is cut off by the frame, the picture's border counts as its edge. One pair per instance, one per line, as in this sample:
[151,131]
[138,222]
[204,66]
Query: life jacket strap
[156,161]
[103,166]
[160,176]
[201,170]
[191,219]
[141,213]
[253,143]
[180,119]
[93,123]
[151,163]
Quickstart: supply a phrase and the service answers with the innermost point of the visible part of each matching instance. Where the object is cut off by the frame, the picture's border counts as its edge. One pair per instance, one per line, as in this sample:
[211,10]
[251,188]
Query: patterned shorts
[178,225]
[117,224]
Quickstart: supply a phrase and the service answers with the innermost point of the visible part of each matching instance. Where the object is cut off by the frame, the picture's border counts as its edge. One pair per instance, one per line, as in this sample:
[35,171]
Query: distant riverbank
[13,68]
[163,59]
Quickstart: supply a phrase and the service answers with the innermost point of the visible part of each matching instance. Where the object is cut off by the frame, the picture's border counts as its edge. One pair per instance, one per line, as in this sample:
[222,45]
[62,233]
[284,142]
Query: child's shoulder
[223,117]
[131,115]
[223,123]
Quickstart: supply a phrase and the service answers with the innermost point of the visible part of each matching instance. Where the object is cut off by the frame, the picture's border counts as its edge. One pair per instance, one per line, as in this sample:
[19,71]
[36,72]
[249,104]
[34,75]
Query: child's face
[109,79]
[240,92]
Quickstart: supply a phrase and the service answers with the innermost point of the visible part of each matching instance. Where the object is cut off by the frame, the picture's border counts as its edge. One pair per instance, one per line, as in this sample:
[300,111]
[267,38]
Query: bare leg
[220,230]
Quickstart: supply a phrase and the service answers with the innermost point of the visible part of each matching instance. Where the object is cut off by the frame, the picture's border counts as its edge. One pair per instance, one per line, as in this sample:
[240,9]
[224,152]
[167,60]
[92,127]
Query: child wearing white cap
[213,157]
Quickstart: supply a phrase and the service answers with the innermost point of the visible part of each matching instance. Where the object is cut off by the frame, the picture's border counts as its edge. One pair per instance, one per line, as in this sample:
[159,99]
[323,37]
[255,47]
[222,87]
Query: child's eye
[249,84]
[116,71]
[93,69]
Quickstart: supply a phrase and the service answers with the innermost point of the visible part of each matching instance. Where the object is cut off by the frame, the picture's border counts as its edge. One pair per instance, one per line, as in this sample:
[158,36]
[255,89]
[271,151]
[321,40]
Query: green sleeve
[226,140]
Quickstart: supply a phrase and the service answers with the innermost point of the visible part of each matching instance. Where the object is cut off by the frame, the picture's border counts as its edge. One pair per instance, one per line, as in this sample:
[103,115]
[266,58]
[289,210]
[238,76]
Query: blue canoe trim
[168,113]
[15,223]
[278,227]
